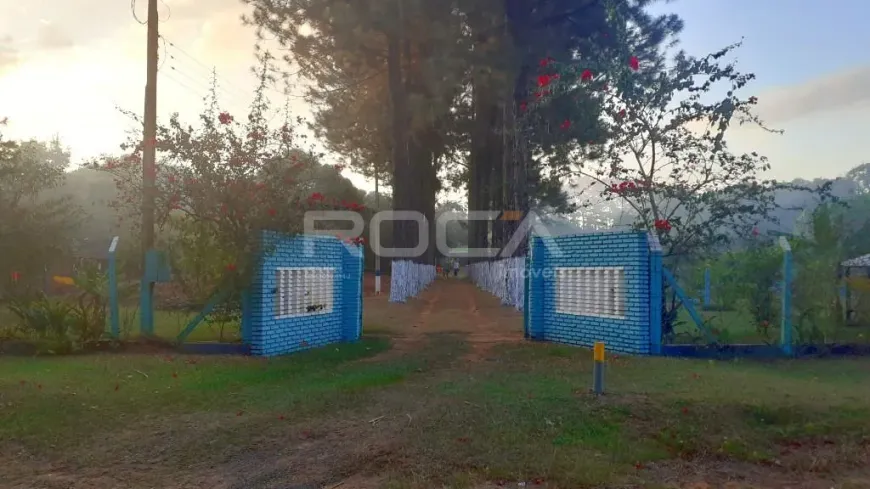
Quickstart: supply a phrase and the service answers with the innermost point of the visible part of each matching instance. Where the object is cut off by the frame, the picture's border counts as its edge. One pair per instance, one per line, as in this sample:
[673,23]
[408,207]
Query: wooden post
[149,168]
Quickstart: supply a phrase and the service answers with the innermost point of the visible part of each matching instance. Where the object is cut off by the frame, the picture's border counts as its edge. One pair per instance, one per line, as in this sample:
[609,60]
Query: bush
[63,325]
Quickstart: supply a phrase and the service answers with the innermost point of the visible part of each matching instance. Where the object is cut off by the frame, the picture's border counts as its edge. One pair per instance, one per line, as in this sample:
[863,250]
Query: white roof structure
[858,262]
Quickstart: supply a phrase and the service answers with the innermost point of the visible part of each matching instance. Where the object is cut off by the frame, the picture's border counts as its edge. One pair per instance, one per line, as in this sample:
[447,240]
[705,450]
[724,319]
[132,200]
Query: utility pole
[377,256]
[149,164]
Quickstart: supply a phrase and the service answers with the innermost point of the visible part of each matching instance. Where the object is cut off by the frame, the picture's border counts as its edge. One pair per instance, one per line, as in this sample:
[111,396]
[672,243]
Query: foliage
[35,228]
[89,311]
[221,184]
[424,92]
[63,325]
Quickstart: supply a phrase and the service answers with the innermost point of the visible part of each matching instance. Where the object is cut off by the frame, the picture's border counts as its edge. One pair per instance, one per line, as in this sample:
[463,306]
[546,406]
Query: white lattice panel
[304,291]
[591,291]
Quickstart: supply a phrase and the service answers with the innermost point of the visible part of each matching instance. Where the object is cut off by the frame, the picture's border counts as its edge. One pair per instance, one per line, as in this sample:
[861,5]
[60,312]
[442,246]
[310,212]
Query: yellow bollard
[598,368]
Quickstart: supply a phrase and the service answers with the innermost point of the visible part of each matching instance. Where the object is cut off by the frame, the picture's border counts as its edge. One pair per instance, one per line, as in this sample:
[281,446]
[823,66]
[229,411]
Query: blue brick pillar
[656,290]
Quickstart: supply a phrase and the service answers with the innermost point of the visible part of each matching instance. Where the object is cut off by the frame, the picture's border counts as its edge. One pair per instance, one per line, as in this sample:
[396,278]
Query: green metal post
[785,333]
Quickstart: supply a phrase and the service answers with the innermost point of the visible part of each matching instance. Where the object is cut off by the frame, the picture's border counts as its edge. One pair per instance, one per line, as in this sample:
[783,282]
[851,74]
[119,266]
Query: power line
[207,85]
[183,85]
[209,69]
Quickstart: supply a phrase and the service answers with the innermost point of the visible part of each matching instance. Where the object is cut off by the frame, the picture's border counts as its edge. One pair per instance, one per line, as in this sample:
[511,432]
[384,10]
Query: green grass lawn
[428,417]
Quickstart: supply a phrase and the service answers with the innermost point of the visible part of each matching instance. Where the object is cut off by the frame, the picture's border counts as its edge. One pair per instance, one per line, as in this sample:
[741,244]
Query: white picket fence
[408,279]
[502,278]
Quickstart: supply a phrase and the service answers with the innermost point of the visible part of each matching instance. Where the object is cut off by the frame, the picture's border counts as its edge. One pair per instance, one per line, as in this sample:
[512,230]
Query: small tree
[36,225]
[661,146]
[220,185]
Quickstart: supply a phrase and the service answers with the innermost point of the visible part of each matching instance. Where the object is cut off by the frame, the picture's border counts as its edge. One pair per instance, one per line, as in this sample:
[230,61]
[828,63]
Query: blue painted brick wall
[629,250]
[268,335]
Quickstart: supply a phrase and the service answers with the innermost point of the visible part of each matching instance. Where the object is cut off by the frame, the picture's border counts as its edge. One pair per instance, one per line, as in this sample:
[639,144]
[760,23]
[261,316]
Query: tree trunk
[403,232]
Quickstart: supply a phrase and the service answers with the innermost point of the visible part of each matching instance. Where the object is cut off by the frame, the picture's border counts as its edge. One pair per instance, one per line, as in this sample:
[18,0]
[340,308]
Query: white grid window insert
[304,291]
[591,291]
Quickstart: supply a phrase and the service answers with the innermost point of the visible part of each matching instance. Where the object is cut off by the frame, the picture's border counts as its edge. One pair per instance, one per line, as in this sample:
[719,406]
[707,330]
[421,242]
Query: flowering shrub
[219,185]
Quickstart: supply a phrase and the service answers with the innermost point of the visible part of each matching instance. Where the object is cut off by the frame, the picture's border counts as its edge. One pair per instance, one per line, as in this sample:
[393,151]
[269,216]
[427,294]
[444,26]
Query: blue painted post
[656,284]
[786,339]
[114,308]
[246,317]
[707,287]
[146,313]
[210,306]
[690,308]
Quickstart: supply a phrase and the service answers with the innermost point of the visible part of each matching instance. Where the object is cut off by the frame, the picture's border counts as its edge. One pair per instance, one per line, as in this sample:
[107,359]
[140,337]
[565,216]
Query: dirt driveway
[447,306]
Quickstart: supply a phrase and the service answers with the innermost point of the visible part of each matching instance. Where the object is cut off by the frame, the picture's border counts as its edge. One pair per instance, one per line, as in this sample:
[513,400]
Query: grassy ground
[167,325]
[446,395]
[739,327]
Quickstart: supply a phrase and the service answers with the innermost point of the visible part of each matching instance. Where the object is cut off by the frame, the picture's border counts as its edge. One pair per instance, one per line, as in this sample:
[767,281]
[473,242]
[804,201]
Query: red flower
[272,212]
[566,124]
[634,63]
[755,231]
[586,75]
[225,118]
[546,62]
[16,276]
[662,224]
[523,106]
[620,114]
[339,168]
[543,80]
[316,197]
[231,267]
[685,410]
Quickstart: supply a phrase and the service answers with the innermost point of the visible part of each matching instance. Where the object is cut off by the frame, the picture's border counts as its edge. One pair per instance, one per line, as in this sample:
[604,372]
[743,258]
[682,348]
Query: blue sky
[812,65]
[785,41]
